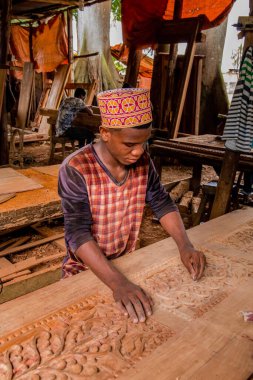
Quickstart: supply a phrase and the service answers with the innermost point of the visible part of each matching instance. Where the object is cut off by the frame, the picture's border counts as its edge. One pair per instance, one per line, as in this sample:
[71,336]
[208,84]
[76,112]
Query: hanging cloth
[238,131]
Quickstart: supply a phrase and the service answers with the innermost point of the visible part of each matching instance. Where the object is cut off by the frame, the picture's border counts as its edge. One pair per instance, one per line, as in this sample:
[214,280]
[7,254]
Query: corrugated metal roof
[34,8]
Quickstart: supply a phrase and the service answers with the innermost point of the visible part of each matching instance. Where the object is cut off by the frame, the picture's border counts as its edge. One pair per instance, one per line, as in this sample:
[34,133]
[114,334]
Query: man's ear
[105,134]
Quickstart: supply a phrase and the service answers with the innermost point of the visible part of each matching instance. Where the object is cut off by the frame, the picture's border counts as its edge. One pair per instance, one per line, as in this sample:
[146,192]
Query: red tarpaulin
[141,19]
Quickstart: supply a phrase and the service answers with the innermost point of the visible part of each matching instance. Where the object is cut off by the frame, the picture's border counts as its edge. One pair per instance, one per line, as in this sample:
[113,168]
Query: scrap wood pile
[188,203]
[30,258]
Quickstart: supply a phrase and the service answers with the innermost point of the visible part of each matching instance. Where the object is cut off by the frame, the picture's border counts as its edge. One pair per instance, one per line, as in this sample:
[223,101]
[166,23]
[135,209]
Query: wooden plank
[46,232]
[17,182]
[13,277]
[52,170]
[18,242]
[189,56]
[31,245]
[198,94]
[28,276]
[133,65]
[185,202]
[4,263]
[6,197]
[12,290]
[195,332]
[179,190]
[2,85]
[8,242]
[29,263]
[58,85]
[25,95]
[22,311]
[56,92]
[91,91]
[225,184]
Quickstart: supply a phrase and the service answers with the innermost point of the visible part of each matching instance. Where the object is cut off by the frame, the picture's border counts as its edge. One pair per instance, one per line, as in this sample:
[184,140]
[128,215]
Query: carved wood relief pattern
[173,289]
[90,339]
[241,239]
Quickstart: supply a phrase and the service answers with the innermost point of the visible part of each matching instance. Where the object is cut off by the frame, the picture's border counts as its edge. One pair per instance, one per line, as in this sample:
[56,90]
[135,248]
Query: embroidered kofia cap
[125,107]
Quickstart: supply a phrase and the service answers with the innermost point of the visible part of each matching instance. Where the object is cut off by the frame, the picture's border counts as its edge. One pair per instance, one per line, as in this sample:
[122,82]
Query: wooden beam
[58,2]
[31,245]
[29,263]
[176,31]
[189,56]
[133,65]
[225,184]
[5,15]
[27,284]
[70,36]
[56,92]
[25,94]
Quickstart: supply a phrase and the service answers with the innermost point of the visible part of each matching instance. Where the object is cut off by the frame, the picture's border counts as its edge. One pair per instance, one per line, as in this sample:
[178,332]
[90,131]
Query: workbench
[32,206]
[73,330]
[196,151]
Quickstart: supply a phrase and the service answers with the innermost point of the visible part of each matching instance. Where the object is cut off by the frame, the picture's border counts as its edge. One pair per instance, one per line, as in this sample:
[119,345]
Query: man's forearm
[173,225]
[92,256]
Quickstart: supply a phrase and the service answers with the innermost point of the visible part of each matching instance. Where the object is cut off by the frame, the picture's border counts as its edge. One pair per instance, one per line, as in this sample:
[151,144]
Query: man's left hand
[194,261]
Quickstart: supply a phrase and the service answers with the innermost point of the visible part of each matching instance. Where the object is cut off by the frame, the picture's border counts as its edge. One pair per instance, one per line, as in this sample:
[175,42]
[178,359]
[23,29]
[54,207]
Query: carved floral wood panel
[173,289]
[241,239]
[92,340]
[87,340]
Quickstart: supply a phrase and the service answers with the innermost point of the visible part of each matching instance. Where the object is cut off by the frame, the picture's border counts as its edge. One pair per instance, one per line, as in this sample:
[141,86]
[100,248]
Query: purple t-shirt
[76,207]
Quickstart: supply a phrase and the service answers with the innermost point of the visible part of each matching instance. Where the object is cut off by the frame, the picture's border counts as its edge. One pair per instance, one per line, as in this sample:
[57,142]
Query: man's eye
[129,145]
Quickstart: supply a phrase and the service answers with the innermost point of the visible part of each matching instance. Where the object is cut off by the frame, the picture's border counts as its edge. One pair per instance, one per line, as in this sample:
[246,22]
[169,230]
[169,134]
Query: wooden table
[197,151]
[72,329]
[32,206]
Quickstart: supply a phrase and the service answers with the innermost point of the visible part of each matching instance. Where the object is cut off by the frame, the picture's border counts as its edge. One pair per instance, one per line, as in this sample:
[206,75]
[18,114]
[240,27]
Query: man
[67,112]
[104,188]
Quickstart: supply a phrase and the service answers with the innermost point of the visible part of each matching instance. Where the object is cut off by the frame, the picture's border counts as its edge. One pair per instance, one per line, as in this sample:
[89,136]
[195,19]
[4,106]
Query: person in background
[67,112]
[104,187]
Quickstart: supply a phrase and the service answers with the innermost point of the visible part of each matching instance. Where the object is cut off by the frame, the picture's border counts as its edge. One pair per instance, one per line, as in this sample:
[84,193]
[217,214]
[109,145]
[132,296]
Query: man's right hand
[133,301]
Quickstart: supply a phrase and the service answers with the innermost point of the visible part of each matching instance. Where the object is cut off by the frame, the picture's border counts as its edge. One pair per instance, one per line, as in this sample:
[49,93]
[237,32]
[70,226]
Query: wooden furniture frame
[198,151]
[91,122]
[53,113]
[174,32]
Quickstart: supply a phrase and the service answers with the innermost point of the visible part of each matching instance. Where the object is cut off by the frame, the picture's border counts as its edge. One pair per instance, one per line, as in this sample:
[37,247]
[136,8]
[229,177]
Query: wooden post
[225,184]
[248,41]
[167,100]
[133,65]
[25,95]
[5,14]
[189,56]
[158,85]
[70,36]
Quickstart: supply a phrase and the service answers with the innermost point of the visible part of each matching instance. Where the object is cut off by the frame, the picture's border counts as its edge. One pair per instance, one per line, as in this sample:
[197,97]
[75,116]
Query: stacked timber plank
[31,261]
[39,203]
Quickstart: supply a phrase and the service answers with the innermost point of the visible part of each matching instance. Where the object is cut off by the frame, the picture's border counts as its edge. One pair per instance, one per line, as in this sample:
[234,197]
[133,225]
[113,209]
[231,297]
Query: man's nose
[138,150]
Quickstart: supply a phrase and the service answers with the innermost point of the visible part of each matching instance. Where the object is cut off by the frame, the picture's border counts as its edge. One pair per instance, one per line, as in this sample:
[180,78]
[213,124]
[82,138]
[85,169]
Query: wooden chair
[53,113]
[92,122]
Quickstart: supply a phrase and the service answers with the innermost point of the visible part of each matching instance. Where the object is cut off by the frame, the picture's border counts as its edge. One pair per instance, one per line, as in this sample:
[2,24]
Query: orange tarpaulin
[141,19]
[120,52]
[49,44]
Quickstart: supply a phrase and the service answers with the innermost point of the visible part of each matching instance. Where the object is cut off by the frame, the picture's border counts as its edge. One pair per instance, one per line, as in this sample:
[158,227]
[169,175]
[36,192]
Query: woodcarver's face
[126,145]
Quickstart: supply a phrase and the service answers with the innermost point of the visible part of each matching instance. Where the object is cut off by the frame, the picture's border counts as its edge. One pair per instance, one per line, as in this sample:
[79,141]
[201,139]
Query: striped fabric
[116,209]
[238,131]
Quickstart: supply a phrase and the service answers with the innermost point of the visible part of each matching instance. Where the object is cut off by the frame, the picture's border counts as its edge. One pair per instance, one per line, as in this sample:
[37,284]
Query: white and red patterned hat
[125,107]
